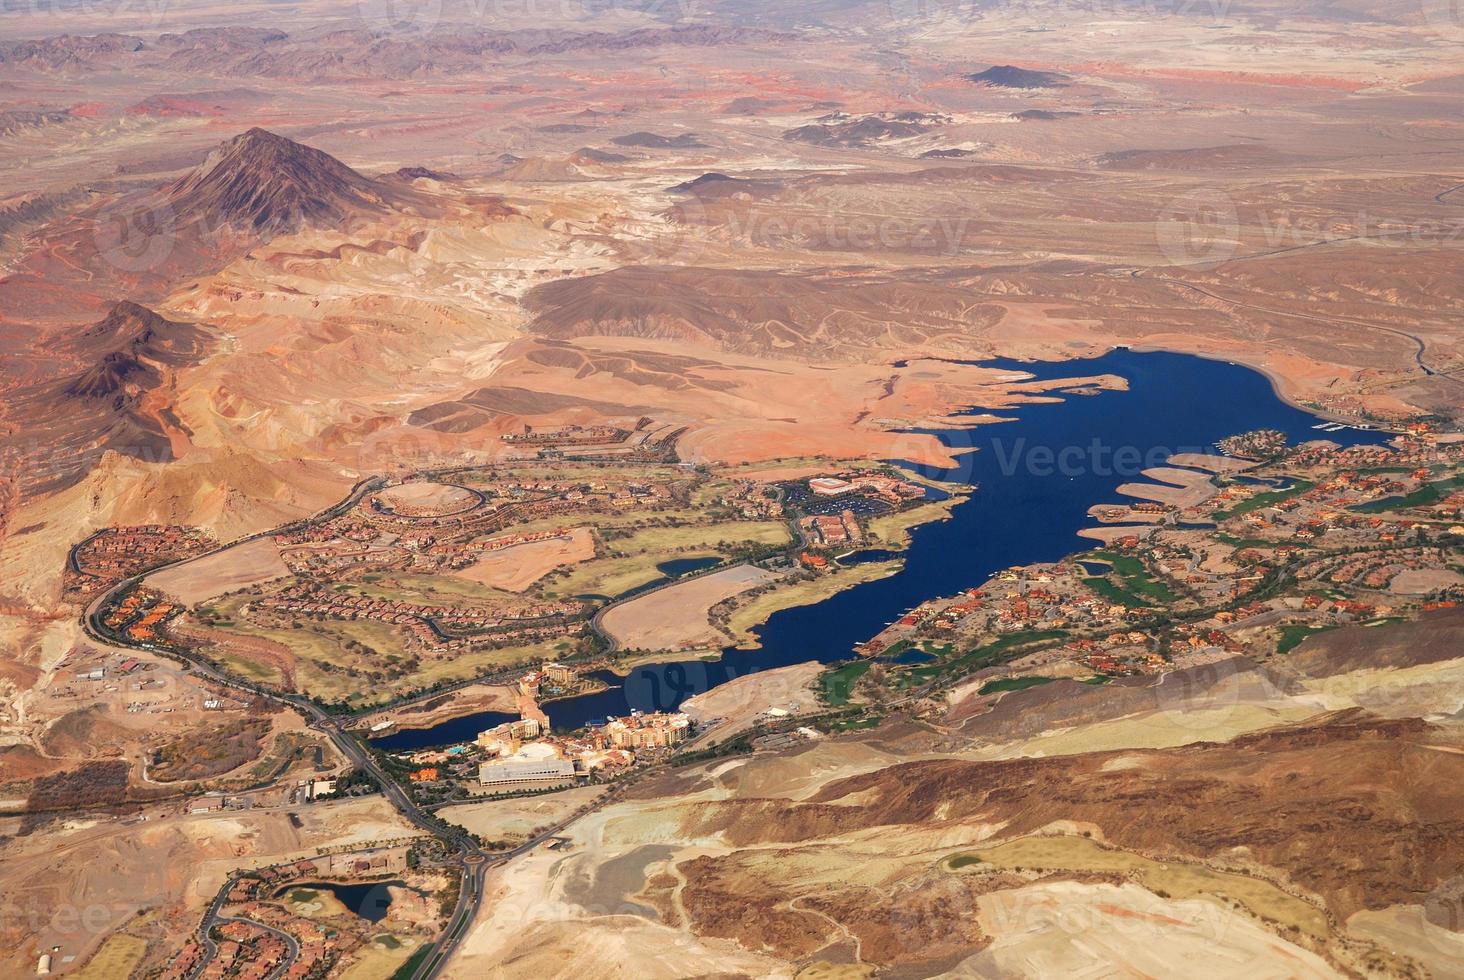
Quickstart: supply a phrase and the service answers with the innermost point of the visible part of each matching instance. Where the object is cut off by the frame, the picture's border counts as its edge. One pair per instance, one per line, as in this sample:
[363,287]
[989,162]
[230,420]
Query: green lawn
[1293,634]
[1136,587]
[837,685]
[1113,593]
[668,541]
[893,529]
[408,969]
[632,554]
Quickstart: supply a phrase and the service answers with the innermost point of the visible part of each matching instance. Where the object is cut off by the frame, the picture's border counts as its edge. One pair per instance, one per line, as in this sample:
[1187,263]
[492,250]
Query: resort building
[532,767]
[657,730]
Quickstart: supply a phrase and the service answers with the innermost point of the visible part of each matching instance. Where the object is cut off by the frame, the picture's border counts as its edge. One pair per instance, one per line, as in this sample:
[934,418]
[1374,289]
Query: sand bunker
[242,565]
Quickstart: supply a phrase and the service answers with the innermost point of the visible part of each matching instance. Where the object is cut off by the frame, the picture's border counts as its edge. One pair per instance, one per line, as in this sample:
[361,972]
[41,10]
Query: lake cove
[1035,476]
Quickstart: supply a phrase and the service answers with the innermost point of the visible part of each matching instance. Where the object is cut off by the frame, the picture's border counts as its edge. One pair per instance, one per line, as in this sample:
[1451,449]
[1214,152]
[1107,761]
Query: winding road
[1420,345]
[472,860]
[470,857]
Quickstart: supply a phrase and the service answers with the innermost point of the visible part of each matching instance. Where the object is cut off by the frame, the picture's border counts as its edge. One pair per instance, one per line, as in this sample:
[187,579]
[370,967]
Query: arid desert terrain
[397,398]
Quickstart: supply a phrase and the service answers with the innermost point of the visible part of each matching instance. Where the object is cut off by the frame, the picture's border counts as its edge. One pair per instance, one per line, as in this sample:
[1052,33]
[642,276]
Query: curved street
[472,860]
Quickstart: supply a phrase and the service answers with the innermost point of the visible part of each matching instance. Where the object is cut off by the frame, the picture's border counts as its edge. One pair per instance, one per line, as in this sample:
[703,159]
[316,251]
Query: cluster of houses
[115,553]
[435,628]
[754,500]
[141,615]
[369,539]
[832,530]
[256,911]
[567,435]
[1343,555]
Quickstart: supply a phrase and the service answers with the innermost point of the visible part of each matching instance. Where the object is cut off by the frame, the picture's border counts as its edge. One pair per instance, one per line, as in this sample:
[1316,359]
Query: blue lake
[370,900]
[1036,478]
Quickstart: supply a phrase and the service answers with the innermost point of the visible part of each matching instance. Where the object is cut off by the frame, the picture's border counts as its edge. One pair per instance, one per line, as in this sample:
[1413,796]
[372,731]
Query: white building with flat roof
[829,486]
[517,769]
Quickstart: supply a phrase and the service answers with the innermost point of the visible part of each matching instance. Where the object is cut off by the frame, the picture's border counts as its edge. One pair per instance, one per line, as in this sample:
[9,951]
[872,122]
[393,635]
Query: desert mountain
[588,154]
[119,399]
[1010,76]
[755,311]
[267,183]
[656,141]
[134,340]
[13,121]
[253,52]
[68,50]
[418,173]
[842,129]
[689,186]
